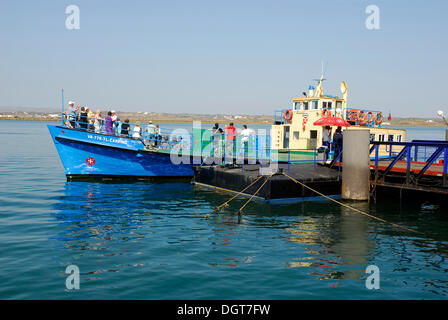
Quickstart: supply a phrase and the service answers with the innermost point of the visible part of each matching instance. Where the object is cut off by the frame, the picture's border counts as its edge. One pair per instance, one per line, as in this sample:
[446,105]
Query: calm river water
[149,240]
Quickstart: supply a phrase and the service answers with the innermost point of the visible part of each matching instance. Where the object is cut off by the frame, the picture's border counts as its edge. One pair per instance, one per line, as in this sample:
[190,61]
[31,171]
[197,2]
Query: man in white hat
[70,115]
[151,133]
[114,120]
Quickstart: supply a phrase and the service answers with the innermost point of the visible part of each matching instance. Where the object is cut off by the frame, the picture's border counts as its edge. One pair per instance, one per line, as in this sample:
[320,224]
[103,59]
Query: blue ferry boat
[86,154]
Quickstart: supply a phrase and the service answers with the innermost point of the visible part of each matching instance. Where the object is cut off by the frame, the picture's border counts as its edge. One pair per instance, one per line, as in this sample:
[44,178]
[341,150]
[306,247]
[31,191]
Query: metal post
[289,158]
[356,169]
[445,166]
[446,134]
[62,114]
[408,165]
[377,147]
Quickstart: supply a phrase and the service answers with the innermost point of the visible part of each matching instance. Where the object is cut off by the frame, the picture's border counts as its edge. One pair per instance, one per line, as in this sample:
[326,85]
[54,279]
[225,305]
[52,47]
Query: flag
[389,118]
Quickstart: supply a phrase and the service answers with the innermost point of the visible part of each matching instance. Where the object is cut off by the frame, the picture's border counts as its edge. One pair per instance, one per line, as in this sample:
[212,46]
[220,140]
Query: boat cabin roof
[317,98]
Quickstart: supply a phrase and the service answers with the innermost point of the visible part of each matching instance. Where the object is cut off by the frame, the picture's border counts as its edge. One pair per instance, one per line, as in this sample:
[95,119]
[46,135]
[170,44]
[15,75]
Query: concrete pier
[279,188]
[356,165]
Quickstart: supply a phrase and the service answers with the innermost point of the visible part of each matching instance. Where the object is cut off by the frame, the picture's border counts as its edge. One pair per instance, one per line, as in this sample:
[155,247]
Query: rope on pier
[226,203]
[240,211]
[349,207]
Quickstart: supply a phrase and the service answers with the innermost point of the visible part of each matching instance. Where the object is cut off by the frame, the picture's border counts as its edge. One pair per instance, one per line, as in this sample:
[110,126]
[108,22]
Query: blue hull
[85,154]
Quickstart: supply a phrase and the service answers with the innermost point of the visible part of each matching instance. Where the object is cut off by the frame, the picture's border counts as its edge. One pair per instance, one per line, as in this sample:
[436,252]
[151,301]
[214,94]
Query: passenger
[98,121]
[91,118]
[326,140]
[151,132]
[337,141]
[76,113]
[217,133]
[70,115]
[109,124]
[137,132]
[230,138]
[158,133]
[118,125]
[175,143]
[245,135]
[166,141]
[125,128]
[114,118]
[82,118]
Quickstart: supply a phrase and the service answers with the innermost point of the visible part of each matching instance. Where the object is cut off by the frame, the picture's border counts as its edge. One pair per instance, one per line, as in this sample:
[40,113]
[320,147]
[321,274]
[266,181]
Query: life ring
[378,118]
[288,115]
[351,116]
[362,118]
[326,113]
[367,117]
[304,121]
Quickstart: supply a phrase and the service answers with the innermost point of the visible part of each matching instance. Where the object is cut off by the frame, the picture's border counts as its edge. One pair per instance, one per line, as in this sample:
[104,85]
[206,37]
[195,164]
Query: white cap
[113,111]
[71,102]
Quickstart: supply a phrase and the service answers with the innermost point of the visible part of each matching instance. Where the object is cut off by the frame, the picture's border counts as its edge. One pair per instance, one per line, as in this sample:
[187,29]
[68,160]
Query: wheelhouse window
[381,137]
[326,105]
[296,105]
[372,137]
[315,105]
[305,105]
[399,137]
[338,104]
[390,137]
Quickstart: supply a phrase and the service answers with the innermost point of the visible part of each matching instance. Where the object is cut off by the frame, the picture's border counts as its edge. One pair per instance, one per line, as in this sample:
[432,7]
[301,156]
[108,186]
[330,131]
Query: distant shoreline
[398,123]
[146,120]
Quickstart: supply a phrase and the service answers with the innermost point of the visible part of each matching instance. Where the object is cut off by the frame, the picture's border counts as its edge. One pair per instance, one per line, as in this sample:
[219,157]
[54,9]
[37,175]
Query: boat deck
[436,169]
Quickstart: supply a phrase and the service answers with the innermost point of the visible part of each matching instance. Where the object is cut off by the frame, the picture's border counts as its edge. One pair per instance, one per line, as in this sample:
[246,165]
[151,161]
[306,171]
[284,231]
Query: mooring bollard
[356,165]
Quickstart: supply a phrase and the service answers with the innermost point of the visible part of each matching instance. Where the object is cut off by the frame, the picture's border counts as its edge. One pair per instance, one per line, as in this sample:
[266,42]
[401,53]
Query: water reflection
[118,227]
[89,213]
[337,244]
[106,223]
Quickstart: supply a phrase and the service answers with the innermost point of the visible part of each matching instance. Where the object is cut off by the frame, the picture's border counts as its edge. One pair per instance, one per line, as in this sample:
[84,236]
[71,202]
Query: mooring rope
[225,203]
[349,207]
[240,211]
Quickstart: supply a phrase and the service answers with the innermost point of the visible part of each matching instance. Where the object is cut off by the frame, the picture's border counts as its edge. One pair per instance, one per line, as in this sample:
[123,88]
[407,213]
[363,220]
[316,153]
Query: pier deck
[279,188]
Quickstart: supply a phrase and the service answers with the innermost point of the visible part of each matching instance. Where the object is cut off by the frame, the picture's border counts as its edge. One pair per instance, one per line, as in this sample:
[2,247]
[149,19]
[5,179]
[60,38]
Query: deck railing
[421,153]
[222,149]
[160,138]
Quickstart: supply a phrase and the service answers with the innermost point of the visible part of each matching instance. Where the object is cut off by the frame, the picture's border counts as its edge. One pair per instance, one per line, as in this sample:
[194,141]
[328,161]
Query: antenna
[322,73]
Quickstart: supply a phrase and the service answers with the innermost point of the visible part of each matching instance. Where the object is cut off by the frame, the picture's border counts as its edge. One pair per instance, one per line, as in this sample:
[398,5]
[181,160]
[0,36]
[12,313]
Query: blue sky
[223,56]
